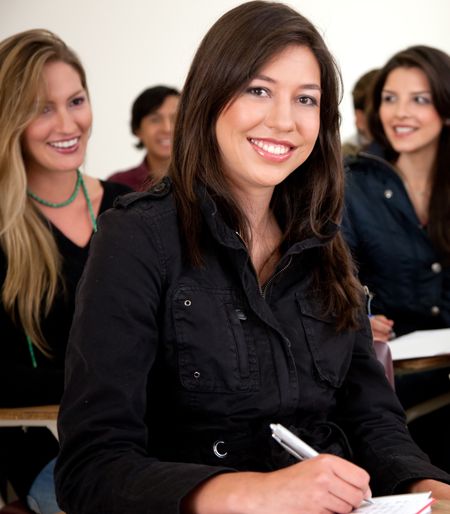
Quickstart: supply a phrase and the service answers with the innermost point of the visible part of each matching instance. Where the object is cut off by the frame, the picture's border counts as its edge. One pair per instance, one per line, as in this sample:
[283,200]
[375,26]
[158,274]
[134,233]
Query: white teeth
[403,130]
[271,148]
[65,144]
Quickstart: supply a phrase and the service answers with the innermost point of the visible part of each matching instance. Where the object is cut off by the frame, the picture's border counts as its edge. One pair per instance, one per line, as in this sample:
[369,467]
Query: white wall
[127,46]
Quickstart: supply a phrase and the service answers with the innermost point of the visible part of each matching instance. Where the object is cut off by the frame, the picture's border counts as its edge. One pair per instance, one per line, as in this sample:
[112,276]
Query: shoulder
[133,177]
[156,205]
[115,189]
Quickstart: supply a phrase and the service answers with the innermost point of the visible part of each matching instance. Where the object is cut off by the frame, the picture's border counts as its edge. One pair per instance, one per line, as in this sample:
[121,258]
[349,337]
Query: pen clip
[287,448]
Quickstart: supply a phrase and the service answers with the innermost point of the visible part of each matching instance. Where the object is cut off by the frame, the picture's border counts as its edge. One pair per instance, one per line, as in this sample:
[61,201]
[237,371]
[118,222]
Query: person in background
[152,120]
[48,213]
[360,95]
[397,221]
[225,299]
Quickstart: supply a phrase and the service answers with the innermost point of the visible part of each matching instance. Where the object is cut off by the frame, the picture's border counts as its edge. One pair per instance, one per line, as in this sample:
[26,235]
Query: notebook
[423,343]
[398,504]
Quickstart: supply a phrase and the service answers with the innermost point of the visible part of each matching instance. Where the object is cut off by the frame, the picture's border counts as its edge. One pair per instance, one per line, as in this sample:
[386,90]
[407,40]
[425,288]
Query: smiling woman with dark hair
[398,219]
[224,300]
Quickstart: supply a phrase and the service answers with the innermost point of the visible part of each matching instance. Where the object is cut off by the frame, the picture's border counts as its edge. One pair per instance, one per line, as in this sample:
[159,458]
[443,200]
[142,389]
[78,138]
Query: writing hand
[382,327]
[322,485]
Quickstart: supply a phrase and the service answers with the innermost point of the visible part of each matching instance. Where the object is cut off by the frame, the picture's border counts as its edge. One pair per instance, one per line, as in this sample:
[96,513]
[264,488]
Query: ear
[447,122]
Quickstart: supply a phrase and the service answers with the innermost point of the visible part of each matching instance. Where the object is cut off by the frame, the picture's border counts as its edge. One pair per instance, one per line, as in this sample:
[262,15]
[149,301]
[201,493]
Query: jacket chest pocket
[216,350]
[331,351]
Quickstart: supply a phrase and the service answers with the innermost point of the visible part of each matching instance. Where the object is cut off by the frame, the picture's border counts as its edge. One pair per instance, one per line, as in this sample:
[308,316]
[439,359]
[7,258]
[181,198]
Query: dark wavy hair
[233,51]
[436,66]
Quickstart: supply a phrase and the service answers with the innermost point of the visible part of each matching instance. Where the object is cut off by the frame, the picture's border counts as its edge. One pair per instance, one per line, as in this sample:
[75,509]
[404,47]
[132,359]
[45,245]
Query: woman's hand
[439,490]
[322,485]
[382,327]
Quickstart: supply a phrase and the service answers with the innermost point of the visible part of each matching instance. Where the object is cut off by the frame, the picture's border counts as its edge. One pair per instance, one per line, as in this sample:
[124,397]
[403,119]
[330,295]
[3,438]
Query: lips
[403,129]
[65,144]
[272,150]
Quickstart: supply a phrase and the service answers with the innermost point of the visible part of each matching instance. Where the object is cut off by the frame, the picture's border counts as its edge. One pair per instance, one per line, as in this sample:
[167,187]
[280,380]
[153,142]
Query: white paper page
[423,343]
[397,504]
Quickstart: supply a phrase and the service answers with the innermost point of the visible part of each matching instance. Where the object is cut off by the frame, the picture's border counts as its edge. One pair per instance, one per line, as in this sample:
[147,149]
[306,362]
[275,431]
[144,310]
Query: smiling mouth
[404,130]
[275,149]
[64,145]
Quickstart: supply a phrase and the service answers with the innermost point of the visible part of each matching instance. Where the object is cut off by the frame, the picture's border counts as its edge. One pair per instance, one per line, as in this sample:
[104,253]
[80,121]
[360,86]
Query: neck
[53,186]
[417,169]
[157,167]
[256,209]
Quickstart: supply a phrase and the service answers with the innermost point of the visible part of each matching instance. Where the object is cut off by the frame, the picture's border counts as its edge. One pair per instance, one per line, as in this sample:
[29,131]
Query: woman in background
[398,217]
[152,121]
[224,299]
[48,213]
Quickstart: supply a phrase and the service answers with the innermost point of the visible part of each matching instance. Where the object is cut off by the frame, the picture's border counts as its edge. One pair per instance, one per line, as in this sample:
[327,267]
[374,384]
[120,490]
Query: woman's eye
[79,100]
[307,100]
[422,100]
[387,98]
[46,109]
[258,91]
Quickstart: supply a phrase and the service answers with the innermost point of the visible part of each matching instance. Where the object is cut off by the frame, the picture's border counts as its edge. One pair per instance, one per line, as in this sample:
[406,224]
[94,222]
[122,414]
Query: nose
[280,116]
[167,125]
[65,121]
[402,109]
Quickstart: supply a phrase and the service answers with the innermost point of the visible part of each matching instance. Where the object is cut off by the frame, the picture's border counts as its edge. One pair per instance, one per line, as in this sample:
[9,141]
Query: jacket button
[216,450]
[187,303]
[196,374]
[435,310]
[158,188]
[436,267]
[241,314]
[388,193]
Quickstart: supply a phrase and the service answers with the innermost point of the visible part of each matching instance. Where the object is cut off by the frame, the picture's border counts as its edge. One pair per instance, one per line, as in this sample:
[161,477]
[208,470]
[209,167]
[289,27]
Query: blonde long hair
[32,257]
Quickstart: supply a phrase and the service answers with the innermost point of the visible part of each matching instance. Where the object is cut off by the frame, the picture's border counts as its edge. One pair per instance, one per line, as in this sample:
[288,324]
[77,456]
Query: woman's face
[156,129]
[409,118]
[56,139]
[270,129]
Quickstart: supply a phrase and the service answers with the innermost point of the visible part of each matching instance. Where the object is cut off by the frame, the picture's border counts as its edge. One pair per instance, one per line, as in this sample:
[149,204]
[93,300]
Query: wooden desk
[441,507]
[421,364]
[403,367]
[42,416]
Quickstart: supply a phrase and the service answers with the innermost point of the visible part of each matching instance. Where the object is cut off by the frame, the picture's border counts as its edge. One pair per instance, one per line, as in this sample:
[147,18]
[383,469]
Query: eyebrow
[412,93]
[273,81]
[73,95]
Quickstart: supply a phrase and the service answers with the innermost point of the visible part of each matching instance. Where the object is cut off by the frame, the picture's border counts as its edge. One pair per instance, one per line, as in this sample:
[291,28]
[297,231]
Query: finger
[385,323]
[348,493]
[336,504]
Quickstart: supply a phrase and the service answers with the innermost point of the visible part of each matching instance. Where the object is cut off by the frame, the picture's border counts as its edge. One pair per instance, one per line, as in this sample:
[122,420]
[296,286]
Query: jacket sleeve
[104,466]
[376,422]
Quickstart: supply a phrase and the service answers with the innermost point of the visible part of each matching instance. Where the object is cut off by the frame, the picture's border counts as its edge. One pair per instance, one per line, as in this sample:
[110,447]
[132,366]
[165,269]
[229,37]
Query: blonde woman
[48,213]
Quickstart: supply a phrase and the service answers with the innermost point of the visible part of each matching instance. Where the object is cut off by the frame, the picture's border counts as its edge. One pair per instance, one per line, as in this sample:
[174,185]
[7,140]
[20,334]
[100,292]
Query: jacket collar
[228,237]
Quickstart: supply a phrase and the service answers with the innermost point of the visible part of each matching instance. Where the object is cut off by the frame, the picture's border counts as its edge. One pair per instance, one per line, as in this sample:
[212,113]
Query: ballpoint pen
[294,445]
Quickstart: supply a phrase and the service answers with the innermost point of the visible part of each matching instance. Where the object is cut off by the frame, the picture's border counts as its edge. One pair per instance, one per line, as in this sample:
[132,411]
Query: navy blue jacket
[174,373]
[394,254]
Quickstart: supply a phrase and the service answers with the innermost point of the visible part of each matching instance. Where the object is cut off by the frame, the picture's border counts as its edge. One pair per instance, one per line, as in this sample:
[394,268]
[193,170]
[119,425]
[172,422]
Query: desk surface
[42,412]
[441,507]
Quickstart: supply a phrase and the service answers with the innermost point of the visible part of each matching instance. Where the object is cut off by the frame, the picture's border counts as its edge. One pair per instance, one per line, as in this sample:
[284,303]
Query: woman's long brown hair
[238,45]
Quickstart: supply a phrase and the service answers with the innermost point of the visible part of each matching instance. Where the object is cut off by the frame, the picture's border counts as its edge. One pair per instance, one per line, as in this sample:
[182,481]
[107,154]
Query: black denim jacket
[174,373]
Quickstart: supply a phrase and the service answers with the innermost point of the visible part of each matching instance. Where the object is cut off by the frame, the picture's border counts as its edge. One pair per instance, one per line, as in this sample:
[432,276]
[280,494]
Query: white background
[128,45]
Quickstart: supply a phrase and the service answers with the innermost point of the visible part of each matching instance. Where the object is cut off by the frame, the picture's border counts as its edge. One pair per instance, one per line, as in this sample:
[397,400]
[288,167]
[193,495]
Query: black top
[179,372]
[20,383]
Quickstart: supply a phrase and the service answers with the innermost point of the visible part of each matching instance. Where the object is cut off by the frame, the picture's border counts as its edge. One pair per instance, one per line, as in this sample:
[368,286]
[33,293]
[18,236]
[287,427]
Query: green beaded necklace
[62,204]
[80,182]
